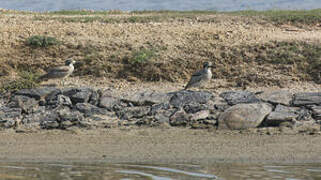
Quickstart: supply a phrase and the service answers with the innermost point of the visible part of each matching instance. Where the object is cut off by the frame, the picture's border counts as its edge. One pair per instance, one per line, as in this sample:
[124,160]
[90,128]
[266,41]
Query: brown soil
[247,52]
[157,145]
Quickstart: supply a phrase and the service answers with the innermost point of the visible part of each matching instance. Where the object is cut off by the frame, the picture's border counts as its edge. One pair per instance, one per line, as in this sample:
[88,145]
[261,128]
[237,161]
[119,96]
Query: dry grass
[246,50]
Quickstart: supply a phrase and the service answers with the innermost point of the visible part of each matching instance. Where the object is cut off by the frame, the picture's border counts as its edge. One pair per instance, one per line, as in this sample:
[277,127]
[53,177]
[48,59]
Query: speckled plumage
[60,72]
[201,77]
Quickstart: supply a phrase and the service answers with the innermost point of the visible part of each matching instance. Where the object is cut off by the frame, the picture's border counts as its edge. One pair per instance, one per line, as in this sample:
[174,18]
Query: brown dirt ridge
[247,50]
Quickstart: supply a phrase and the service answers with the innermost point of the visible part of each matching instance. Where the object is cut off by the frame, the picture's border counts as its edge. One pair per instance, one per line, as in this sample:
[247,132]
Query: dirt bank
[158,145]
[248,51]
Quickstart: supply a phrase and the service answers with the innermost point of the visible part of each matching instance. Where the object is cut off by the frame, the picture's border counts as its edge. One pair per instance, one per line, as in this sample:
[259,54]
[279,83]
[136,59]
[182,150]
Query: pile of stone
[49,108]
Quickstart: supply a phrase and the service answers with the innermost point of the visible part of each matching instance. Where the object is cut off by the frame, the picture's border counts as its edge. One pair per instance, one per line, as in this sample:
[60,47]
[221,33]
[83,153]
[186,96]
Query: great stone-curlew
[200,77]
[60,72]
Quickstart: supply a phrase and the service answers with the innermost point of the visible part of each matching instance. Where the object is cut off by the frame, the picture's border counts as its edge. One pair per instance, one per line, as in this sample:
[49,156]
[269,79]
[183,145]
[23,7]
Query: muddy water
[57,171]
[128,5]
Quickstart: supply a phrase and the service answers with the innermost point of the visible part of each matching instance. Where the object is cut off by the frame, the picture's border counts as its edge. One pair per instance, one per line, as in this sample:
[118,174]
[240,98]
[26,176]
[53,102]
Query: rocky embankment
[52,108]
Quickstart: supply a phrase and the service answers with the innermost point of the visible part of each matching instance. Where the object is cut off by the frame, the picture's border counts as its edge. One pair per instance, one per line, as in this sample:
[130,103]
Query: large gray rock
[184,97]
[277,97]
[238,97]
[81,95]
[147,98]
[37,93]
[302,99]
[244,116]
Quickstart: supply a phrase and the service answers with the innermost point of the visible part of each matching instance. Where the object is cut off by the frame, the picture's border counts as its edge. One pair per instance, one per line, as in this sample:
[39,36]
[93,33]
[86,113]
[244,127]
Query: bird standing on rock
[60,72]
[201,77]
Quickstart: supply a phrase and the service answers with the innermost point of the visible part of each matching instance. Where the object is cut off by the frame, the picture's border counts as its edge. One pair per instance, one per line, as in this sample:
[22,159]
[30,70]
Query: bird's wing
[60,69]
[198,73]
[57,72]
[196,77]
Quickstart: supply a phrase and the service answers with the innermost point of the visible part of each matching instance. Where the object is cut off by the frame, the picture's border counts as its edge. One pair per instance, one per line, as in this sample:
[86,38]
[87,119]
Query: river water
[129,5]
[81,171]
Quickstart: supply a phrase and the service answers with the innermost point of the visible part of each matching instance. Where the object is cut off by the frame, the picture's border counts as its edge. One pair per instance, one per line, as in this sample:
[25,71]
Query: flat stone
[244,116]
[286,114]
[239,97]
[278,117]
[128,113]
[89,109]
[302,99]
[277,97]
[184,97]
[146,98]
[37,93]
[281,108]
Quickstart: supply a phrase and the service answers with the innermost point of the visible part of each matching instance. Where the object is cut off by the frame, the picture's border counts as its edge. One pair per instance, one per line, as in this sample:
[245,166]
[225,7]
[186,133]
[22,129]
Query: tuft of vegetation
[142,56]
[27,80]
[41,41]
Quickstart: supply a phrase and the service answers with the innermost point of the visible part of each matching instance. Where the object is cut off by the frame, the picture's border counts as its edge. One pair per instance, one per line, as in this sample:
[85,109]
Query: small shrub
[41,41]
[27,80]
[142,56]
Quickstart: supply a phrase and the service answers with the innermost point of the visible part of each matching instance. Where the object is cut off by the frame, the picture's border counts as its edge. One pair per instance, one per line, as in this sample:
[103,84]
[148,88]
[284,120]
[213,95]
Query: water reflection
[81,171]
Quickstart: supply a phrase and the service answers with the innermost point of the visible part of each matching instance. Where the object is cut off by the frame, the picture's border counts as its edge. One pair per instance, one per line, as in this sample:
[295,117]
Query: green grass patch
[26,80]
[142,56]
[42,41]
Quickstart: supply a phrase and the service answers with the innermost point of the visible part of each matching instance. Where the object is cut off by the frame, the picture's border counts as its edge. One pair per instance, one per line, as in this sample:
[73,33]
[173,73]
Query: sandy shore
[158,145]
